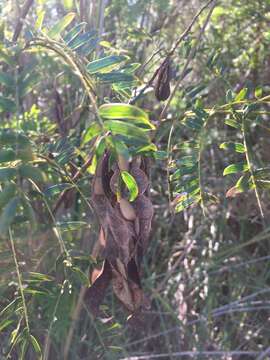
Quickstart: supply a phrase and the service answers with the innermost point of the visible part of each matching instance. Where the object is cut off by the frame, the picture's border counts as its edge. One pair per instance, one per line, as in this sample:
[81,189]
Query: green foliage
[67,90]
[130,182]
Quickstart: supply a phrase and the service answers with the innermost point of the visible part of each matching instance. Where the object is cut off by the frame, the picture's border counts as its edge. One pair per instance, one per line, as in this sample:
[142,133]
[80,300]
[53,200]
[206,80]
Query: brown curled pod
[162,86]
[127,210]
[98,187]
[99,168]
[137,226]
[144,207]
[140,177]
[141,180]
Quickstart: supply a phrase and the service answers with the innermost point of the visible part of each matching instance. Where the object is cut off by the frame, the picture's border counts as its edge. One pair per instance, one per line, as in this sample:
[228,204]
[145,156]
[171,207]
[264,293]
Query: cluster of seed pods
[124,232]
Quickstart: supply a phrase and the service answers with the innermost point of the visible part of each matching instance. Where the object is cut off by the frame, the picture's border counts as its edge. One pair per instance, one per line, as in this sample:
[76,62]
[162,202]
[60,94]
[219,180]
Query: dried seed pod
[137,226]
[99,168]
[141,180]
[123,163]
[127,210]
[162,87]
[98,188]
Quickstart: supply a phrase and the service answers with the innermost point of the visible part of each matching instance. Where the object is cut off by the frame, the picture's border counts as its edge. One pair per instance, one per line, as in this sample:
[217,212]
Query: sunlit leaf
[39,21]
[128,130]
[238,147]
[68,4]
[241,95]
[236,168]
[185,201]
[120,148]
[146,149]
[115,77]
[244,183]
[187,170]
[35,344]
[131,184]
[56,30]
[125,112]
[74,32]
[38,277]
[92,131]
[195,91]
[57,189]
[78,41]
[233,123]
[258,92]
[105,64]
[4,324]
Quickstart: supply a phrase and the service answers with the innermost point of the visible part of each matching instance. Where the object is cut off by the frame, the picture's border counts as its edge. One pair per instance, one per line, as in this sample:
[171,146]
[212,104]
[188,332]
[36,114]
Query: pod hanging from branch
[162,86]
[123,237]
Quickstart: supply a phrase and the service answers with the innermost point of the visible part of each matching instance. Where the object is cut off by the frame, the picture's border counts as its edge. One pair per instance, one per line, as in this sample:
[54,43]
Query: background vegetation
[206,268]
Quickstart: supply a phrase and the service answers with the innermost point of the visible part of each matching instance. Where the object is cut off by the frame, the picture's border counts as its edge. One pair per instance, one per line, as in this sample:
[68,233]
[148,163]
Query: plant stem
[19,280]
[250,166]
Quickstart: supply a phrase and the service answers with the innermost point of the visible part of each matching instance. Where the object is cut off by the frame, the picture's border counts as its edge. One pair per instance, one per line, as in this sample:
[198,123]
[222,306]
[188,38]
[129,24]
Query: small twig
[75,178]
[19,277]
[194,354]
[150,82]
[101,16]
[264,354]
[150,59]
[191,55]
[74,317]
[26,7]
[251,170]
[171,52]
[188,29]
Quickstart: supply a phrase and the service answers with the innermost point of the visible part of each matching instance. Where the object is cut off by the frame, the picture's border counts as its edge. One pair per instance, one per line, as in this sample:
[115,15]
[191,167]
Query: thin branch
[190,57]
[75,178]
[74,317]
[188,29]
[251,169]
[264,354]
[194,354]
[171,52]
[19,280]
[26,7]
